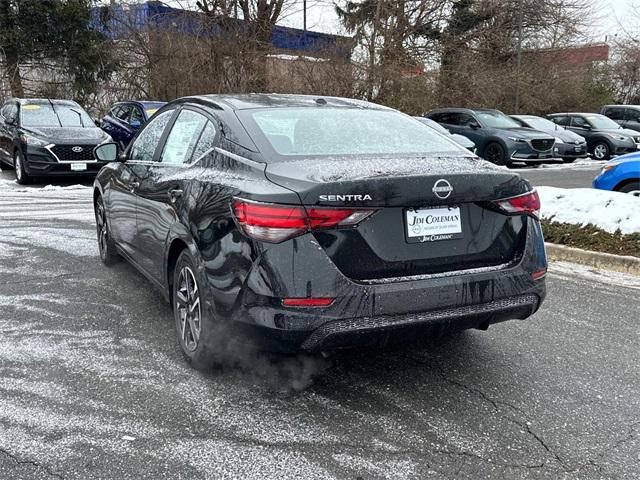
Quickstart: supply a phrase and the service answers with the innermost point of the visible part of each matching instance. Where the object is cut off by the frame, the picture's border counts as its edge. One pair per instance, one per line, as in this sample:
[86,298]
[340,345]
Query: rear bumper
[381,312]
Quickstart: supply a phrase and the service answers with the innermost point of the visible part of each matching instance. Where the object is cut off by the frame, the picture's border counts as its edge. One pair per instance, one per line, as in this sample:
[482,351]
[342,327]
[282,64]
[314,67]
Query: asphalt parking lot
[92,386]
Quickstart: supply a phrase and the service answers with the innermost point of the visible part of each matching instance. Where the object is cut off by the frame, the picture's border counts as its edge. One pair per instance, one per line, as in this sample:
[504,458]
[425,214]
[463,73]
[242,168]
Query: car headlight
[609,166]
[559,140]
[517,139]
[617,136]
[30,140]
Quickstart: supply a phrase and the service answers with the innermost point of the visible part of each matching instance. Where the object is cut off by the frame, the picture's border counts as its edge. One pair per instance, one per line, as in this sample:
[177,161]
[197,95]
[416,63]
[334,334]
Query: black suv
[498,138]
[43,137]
[627,116]
[604,136]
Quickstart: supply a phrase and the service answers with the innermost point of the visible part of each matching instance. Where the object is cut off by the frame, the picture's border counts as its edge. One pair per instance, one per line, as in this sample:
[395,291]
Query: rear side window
[183,139]
[136,116]
[206,141]
[632,114]
[123,113]
[145,144]
[579,122]
[560,121]
[615,113]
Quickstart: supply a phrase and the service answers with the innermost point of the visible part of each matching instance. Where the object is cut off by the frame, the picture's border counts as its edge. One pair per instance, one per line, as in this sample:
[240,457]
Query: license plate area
[432,224]
[78,167]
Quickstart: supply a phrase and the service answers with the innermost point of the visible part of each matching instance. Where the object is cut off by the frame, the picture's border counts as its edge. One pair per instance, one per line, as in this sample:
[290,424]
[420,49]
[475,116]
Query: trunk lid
[381,247]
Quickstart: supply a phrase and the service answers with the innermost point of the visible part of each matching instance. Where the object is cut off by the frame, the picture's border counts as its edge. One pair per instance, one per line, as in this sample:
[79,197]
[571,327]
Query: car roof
[463,110]
[525,116]
[274,100]
[55,101]
[621,106]
[572,113]
[142,103]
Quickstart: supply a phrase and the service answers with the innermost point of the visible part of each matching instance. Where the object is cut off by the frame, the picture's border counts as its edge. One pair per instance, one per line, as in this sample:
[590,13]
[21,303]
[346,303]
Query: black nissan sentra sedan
[43,137]
[312,224]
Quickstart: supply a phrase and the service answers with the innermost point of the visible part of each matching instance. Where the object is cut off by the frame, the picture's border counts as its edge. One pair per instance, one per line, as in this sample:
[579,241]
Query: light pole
[518,57]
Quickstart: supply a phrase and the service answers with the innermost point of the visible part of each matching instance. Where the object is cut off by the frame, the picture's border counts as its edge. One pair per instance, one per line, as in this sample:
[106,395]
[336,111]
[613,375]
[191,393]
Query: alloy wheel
[600,151]
[101,223]
[188,308]
[17,164]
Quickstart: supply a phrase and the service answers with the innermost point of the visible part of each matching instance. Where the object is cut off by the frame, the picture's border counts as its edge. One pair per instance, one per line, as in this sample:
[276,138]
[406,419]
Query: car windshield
[346,131]
[541,124]
[150,109]
[54,115]
[600,121]
[496,120]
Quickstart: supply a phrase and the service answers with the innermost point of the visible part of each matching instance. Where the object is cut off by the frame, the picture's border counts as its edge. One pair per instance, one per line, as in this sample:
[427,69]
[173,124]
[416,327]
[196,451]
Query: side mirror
[10,120]
[107,152]
[97,122]
[136,124]
[474,125]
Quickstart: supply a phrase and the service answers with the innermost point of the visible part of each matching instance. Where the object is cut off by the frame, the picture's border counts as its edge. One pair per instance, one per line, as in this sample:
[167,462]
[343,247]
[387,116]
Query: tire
[194,327]
[22,177]
[601,151]
[495,153]
[568,160]
[632,188]
[106,245]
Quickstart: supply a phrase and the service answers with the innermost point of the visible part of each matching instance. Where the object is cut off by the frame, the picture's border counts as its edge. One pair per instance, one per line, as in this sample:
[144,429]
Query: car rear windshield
[496,120]
[52,115]
[346,131]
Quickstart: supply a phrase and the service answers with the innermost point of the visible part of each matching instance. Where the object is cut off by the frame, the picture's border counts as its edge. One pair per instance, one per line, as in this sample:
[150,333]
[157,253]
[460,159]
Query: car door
[123,186]
[6,142]
[632,119]
[581,126]
[163,188]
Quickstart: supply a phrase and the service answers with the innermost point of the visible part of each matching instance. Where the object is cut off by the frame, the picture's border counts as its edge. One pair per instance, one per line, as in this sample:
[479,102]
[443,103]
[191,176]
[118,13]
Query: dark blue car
[621,174]
[124,119]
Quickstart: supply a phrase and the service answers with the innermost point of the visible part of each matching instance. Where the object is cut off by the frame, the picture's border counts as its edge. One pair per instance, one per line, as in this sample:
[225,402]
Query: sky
[615,17]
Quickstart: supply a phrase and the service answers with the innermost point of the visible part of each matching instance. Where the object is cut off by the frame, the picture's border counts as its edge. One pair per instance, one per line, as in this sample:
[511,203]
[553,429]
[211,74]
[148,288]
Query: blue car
[124,119]
[621,174]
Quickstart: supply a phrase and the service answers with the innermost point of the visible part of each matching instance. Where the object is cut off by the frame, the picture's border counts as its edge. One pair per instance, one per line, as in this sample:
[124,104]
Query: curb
[604,261]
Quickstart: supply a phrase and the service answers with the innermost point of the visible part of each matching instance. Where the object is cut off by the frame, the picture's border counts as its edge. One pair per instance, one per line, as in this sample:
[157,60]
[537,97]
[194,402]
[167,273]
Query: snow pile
[602,208]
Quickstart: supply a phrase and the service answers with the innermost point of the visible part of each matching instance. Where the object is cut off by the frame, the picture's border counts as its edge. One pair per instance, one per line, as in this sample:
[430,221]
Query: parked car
[124,119]
[43,137]
[627,116]
[621,174]
[498,138]
[459,139]
[316,223]
[604,136]
[569,145]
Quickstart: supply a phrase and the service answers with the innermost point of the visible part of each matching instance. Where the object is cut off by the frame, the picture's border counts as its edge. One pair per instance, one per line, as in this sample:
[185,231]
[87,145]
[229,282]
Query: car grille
[542,144]
[66,153]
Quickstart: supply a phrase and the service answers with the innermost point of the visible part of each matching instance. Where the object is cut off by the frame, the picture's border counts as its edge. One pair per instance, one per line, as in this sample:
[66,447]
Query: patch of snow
[607,210]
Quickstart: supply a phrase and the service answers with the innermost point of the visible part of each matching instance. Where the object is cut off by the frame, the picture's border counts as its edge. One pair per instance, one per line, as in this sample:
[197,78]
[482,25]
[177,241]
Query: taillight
[307,302]
[529,203]
[276,223]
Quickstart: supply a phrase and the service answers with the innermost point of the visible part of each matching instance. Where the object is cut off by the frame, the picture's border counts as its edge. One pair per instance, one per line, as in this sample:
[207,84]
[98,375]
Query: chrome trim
[51,145]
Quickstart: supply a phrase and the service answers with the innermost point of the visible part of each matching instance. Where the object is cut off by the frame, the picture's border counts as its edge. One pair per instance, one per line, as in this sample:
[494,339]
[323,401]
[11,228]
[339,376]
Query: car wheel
[106,245]
[568,160]
[632,188]
[601,151]
[22,177]
[193,326]
[494,153]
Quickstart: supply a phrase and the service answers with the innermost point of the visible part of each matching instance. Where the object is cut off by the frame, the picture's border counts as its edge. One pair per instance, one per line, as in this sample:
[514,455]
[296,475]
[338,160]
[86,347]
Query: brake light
[276,223]
[307,302]
[529,203]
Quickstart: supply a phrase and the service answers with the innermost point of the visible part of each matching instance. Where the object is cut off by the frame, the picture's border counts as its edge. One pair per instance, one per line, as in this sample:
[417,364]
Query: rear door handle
[174,194]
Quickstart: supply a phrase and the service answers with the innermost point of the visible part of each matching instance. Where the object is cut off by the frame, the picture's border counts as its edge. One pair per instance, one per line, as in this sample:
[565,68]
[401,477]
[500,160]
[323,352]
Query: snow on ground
[602,208]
